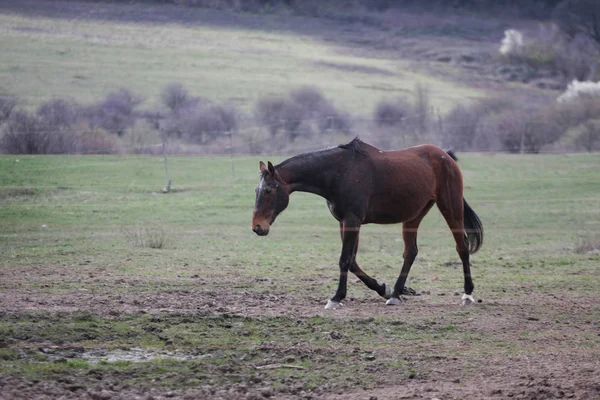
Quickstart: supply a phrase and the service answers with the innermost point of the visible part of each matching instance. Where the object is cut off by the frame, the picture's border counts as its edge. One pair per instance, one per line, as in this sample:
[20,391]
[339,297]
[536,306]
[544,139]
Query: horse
[362,185]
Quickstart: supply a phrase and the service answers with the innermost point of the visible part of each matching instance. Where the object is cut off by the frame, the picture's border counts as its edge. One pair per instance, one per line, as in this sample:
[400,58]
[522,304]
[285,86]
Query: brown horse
[365,185]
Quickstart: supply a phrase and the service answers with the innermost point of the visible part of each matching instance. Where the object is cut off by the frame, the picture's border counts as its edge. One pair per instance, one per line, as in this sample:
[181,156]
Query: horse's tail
[473,228]
[473,225]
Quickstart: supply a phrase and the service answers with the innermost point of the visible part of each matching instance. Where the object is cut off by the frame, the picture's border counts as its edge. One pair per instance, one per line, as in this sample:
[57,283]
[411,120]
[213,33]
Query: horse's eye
[268,190]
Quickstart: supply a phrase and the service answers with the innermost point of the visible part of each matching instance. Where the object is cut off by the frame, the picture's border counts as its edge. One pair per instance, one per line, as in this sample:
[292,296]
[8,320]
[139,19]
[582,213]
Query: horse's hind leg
[409,235]
[454,215]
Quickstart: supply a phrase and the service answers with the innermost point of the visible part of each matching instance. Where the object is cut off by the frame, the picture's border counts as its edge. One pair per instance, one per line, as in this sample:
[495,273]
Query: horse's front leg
[350,228]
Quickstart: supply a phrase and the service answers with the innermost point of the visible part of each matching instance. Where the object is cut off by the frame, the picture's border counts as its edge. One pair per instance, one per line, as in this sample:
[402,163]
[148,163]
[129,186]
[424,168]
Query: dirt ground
[549,341]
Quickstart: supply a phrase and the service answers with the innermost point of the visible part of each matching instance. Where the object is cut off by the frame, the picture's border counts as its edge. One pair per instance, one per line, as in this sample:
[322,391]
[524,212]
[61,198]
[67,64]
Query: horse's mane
[451,154]
[355,145]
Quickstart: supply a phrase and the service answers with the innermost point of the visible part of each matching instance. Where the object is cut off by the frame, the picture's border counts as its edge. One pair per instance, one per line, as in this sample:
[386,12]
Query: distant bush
[281,115]
[7,104]
[578,90]
[27,133]
[310,99]
[204,124]
[59,114]
[578,58]
[579,17]
[550,49]
[589,137]
[24,133]
[512,43]
[301,113]
[331,119]
[522,131]
[98,141]
[501,124]
[465,128]
[50,130]
[115,113]
[174,96]
[392,113]
[579,111]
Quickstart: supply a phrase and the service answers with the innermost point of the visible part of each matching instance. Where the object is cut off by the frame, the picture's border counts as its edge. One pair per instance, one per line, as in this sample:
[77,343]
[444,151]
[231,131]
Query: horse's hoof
[467,300]
[393,301]
[332,305]
[388,292]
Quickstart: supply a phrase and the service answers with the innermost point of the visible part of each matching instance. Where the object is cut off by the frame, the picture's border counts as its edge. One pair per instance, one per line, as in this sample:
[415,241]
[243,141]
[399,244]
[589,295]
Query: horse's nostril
[256,228]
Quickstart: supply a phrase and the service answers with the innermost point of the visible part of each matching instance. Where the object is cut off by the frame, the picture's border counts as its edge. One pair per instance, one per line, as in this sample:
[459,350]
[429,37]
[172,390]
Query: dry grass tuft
[588,245]
[154,237]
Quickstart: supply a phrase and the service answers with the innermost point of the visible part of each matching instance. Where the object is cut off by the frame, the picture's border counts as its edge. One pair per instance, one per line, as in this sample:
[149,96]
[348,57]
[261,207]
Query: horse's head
[272,197]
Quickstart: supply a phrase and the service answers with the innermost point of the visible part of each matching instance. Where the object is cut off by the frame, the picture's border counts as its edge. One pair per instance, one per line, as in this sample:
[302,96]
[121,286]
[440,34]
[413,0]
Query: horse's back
[405,181]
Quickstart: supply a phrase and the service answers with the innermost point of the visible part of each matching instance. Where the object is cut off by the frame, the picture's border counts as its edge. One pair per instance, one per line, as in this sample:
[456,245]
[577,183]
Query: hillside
[84,50]
[275,80]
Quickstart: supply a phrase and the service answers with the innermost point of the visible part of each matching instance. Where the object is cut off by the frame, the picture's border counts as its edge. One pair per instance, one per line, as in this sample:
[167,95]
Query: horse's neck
[312,174]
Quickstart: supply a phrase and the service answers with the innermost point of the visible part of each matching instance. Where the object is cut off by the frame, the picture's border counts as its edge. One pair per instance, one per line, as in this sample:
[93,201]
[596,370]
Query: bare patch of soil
[524,346]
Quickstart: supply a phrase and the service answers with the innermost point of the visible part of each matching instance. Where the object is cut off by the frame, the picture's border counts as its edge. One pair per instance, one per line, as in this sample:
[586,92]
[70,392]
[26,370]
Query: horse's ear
[271,168]
[262,166]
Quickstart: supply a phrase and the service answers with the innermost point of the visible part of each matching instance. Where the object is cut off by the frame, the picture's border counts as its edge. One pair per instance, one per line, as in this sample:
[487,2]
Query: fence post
[167,187]
[230,133]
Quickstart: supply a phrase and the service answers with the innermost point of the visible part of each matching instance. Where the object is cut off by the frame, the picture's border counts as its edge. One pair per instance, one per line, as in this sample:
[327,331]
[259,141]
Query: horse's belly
[394,210]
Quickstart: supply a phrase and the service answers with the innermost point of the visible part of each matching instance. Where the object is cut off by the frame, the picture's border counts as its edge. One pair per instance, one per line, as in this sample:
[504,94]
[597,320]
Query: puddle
[134,354]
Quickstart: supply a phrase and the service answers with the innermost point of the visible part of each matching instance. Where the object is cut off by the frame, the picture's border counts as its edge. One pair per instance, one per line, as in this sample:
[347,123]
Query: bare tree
[589,138]
[579,16]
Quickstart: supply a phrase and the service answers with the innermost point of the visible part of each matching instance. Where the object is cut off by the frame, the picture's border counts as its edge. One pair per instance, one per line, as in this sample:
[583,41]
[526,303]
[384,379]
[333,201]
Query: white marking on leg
[333,305]
[467,300]
[393,301]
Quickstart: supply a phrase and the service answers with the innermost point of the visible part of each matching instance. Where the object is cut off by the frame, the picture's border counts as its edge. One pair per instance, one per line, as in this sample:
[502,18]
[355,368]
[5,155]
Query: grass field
[220,312]
[111,289]
[87,50]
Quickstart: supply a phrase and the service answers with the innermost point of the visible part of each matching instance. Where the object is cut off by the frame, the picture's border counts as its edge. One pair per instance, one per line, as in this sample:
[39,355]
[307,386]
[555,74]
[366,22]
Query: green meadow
[81,282]
[111,289]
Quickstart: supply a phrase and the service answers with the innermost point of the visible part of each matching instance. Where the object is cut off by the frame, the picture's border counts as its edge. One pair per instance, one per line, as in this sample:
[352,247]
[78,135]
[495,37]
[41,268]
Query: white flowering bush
[577,90]
[512,44]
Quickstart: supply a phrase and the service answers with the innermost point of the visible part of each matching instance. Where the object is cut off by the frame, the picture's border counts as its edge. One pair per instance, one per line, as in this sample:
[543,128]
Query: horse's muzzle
[260,231]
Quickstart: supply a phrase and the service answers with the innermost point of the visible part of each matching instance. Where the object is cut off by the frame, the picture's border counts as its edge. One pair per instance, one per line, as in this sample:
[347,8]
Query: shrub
[98,141]
[154,237]
[204,123]
[577,58]
[577,90]
[50,130]
[391,113]
[279,114]
[460,127]
[463,125]
[579,17]
[310,99]
[569,56]
[524,130]
[7,104]
[115,113]
[59,114]
[332,120]
[512,43]
[174,96]
[302,112]
[589,137]
[24,133]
